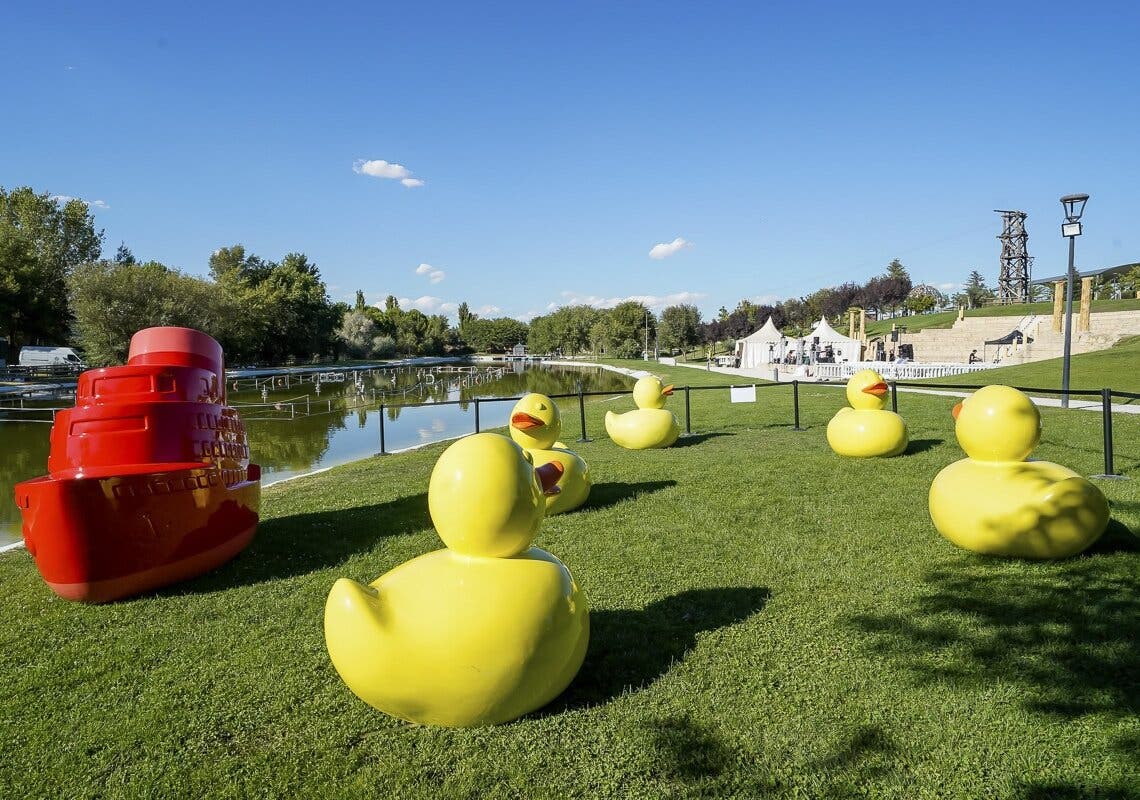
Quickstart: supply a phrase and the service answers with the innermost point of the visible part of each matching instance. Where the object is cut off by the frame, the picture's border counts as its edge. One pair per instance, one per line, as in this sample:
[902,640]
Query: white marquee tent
[763,347]
[844,348]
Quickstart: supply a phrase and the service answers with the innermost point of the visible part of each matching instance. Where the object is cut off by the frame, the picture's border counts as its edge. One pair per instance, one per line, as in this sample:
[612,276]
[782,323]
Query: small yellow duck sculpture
[535,426]
[481,632]
[867,429]
[997,503]
[650,425]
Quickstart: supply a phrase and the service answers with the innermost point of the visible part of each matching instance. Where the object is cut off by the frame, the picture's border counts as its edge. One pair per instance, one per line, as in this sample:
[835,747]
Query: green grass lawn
[769,620]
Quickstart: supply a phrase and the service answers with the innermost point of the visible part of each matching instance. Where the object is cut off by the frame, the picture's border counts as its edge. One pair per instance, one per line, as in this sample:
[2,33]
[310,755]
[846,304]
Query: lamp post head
[1074,206]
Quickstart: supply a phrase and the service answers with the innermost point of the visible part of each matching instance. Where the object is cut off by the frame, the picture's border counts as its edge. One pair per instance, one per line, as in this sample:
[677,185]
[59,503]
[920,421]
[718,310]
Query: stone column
[1058,304]
[851,323]
[863,325]
[1086,304]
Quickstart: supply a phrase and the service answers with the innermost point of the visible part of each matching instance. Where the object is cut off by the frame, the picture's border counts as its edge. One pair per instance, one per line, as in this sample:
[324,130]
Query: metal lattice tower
[1016,263]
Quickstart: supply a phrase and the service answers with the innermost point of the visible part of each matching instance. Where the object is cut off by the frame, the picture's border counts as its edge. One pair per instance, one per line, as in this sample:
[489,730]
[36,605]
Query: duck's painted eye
[542,406]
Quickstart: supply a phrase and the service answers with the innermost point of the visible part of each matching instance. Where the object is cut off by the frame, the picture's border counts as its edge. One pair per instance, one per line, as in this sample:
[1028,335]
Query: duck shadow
[692,439]
[285,547]
[1117,538]
[922,445]
[631,648]
[603,495]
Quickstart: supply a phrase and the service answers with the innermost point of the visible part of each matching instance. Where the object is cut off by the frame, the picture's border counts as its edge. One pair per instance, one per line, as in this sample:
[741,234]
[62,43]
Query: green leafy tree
[357,332]
[632,321]
[114,300]
[976,293]
[47,240]
[680,327]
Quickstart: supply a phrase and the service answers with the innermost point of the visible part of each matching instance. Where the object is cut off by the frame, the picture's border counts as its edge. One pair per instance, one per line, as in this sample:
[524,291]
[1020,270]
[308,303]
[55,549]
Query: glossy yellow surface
[996,503]
[461,639]
[535,425]
[866,429]
[650,425]
[483,497]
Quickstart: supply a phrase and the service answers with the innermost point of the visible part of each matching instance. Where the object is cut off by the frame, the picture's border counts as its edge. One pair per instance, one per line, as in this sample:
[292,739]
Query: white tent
[824,336]
[762,347]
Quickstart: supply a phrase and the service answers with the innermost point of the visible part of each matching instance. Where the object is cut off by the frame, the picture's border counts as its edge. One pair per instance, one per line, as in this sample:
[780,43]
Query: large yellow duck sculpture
[650,425]
[996,502]
[867,429]
[535,426]
[481,632]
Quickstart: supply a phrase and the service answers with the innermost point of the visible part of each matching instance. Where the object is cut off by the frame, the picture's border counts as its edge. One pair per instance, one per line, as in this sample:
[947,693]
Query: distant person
[974,357]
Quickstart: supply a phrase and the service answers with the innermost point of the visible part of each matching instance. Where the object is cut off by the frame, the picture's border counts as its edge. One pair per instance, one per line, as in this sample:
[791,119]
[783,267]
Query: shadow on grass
[603,495]
[1067,631]
[922,445]
[693,439]
[1117,538]
[701,758]
[631,648]
[296,545]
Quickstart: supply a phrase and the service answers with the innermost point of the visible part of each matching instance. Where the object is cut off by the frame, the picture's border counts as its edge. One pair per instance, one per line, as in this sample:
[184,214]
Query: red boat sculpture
[149,476]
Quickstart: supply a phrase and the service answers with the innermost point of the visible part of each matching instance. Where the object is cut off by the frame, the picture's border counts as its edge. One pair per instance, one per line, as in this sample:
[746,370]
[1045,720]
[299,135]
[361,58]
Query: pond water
[297,428]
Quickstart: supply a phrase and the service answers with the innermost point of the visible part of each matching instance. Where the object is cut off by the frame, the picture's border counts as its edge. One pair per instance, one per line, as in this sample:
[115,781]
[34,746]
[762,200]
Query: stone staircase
[953,345]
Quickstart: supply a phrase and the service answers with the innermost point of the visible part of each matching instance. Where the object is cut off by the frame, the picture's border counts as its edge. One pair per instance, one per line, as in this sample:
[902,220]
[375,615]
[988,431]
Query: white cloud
[527,316]
[652,301]
[99,204]
[666,249]
[950,287]
[434,275]
[488,310]
[379,168]
[428,304]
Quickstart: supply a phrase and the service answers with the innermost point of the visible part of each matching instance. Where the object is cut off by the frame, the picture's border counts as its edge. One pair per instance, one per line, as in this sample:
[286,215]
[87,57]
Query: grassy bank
[945,319]
[768,621]
[1115,368]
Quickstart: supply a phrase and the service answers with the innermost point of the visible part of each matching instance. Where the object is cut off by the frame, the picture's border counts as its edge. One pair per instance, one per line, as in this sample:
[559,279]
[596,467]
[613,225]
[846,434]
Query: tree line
[56,287]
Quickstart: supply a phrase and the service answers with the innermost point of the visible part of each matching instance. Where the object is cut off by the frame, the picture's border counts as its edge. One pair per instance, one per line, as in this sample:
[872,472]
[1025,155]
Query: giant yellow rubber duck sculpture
[649,425]
[998,503]
[481,632]
[867,429]
[535,426]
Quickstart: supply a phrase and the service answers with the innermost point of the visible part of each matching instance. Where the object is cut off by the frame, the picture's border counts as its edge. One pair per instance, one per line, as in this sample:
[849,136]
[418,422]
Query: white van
[33,356]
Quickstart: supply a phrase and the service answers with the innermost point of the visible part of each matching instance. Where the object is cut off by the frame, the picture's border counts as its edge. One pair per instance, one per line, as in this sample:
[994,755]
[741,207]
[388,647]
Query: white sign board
[742,394]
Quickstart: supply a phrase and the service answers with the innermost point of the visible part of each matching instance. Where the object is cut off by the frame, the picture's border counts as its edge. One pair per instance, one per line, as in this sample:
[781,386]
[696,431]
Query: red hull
[102,539]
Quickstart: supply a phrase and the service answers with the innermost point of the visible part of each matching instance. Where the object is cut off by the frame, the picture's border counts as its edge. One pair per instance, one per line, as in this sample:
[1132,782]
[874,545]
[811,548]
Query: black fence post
[582,413]
[476,415]
[382,450]
[688,425]
[796,404]
[1106,412]
[894,397]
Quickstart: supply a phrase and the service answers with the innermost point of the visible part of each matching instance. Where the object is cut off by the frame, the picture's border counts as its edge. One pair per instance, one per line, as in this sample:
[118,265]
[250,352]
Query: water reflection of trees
[411,386]
[291,428]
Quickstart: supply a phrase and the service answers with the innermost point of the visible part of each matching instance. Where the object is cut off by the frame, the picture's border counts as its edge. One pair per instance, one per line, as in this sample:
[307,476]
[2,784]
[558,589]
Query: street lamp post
[647,334]
[1071,228]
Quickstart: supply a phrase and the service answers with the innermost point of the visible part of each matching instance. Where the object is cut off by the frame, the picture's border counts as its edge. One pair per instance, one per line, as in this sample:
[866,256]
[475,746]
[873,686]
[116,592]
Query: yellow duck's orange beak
[548,475]
[524,421]
[667,390]
[878,389]
[956,410]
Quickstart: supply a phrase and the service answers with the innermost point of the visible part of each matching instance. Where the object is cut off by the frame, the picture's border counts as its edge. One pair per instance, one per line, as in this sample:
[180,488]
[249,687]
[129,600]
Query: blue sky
[787,146]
